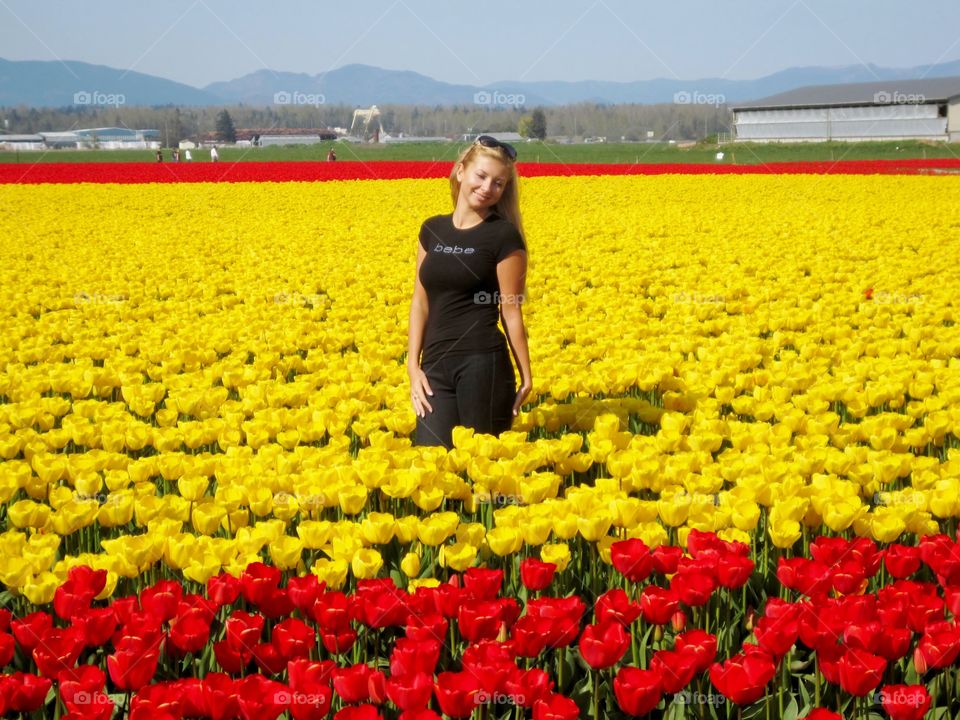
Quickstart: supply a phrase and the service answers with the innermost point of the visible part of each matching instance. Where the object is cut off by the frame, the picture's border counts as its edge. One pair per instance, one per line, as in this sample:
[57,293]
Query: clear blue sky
[201,41]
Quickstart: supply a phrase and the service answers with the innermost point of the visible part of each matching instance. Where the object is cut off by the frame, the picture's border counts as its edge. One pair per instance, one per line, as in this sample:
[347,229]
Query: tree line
[667,121]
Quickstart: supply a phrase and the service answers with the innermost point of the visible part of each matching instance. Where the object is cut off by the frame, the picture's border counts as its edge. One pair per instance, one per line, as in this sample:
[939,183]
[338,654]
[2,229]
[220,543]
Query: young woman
[471,271]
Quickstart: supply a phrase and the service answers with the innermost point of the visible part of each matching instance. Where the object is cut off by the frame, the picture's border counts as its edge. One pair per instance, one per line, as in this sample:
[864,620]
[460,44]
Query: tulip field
[733,492]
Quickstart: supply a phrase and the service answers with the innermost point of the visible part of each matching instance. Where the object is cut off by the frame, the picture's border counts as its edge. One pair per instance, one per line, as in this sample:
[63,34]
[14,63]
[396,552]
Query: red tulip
[491,663]
[303,591]
[894,643]
[938,647]
[411,656]
[306,675]
[675,668]
[243,631]
[230,660]
[362,712]
[564,615]
[422,628]
[776,635]
[482,583]
[865,636]
[268,659]
[603,645]
[615,605]
[220,696]
[658,604]
[528,636]
[637,691]
[27,692]
[822,714]
[337,642]
[30,629]
[666,559]
[482,619]
[860,671]
[351,683]
[161,599]
[190,632]
[536,575]
[97,625]
[632,558]
[8,646]
[223,589]
[905,702]
[743,678]
[901,561]
[379,603]
[700,644]
[525,687]
[293,638]
[819,625]
[924,609]
[332,611]
[59,650]
[410,692]
[693,586]
[805,576]
[134,662]
[555,707]
[312,705]
[258,581]
[74,596]
[456,693]
[733,571]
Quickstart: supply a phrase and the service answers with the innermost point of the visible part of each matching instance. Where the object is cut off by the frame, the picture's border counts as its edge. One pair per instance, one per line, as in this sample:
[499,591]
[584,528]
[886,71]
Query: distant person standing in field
[214,155]
[471,271]
[187,156]
[159,155]
[331,156]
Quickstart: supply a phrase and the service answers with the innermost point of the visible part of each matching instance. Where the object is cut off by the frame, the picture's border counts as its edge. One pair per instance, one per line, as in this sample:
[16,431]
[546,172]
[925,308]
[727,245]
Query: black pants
[476,391]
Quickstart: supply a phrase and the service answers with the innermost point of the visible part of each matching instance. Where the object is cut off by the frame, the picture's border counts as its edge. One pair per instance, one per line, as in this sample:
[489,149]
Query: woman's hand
[419,389]
[522,393]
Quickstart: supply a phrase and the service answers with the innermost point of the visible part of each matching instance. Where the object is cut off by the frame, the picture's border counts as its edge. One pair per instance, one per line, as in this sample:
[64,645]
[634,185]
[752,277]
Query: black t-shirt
[459,275]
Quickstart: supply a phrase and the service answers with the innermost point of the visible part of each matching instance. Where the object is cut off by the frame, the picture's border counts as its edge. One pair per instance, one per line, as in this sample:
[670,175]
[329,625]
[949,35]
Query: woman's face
[482,182]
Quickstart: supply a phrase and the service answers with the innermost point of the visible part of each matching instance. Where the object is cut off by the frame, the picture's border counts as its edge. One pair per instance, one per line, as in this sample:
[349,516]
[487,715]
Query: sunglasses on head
[491,142]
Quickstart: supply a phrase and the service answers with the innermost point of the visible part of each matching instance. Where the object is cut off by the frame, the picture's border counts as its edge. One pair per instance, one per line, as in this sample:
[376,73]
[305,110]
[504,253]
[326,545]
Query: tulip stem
[596,695]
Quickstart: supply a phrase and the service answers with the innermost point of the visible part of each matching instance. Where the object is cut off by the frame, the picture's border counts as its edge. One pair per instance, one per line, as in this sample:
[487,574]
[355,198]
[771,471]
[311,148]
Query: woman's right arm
[419,309]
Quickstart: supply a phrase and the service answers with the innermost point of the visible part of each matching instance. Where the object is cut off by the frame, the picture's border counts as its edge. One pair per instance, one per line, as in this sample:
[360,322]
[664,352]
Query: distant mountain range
[42,83]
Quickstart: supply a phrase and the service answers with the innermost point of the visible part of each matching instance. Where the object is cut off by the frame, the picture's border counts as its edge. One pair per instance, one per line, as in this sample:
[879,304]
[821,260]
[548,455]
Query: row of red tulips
[393,170]
[463,648]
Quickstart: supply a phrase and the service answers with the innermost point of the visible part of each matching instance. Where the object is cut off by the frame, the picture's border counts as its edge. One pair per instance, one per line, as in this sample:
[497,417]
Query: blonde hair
[508,206]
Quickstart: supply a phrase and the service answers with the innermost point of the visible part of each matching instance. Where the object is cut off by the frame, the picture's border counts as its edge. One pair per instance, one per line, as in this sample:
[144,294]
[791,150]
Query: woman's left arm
[511,275]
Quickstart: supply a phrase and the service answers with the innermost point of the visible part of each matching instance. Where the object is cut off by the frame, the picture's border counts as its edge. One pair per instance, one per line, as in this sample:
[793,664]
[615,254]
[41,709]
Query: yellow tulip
[26,513]
[410,564]
[378,528]
[331,572]
[39,590]
[556,553]
[286,552]
[504,540]
[206,517]
[458,556]
[436,528]
[366,563]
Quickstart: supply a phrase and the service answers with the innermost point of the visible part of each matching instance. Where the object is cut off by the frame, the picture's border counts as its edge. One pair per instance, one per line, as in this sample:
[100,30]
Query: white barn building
[885,110]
